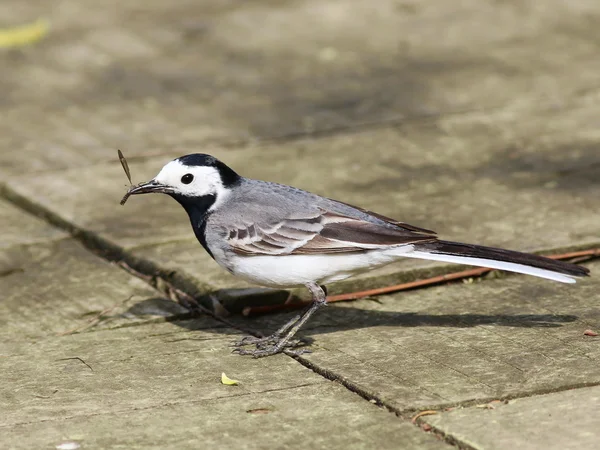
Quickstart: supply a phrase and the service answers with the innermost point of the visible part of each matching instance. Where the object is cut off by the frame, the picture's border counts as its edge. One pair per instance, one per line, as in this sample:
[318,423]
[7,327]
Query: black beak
[151,186]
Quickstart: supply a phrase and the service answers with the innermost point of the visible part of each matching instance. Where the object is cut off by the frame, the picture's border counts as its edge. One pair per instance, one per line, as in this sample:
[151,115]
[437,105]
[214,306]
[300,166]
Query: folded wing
[321,232]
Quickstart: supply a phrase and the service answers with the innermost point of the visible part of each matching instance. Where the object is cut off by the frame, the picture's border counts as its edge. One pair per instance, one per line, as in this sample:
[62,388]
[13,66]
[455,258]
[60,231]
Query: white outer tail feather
[492,264]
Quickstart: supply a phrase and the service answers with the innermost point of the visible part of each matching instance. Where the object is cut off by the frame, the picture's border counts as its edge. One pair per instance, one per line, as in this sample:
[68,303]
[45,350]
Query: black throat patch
[198,211]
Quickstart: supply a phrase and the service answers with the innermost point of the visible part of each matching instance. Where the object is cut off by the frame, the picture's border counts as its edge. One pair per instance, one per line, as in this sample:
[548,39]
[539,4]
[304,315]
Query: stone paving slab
[328,416]
[57,287]
[153,75]
[476,119]
[555,421]
[459,343]
[20,228]
[50,284]
[133,367]
[157,386]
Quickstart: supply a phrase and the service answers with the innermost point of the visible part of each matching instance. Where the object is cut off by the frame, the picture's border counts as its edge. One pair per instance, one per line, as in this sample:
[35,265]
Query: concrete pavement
[475,119]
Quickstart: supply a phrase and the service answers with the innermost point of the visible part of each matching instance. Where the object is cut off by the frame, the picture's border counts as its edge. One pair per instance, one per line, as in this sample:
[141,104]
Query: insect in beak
[125,166]
[151,186]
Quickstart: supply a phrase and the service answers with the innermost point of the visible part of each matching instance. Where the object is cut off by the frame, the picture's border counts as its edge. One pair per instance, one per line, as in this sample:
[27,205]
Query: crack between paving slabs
[378,401]
[453,440]
[408,414]
[388,374]
[473,379]
[175,285]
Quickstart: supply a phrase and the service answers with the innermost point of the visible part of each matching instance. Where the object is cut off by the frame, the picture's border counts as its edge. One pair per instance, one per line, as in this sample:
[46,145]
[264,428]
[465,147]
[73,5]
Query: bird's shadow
[328,320]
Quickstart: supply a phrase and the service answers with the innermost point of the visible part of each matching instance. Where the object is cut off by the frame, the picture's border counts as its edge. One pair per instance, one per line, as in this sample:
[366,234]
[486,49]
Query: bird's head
[191,178]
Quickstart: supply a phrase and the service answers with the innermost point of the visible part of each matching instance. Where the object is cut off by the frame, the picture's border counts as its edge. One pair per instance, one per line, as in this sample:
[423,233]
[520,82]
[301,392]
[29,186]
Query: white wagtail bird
[280,236]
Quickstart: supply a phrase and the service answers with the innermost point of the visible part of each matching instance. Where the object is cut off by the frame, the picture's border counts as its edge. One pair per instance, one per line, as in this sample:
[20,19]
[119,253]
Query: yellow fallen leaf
[24,34]
[228,381]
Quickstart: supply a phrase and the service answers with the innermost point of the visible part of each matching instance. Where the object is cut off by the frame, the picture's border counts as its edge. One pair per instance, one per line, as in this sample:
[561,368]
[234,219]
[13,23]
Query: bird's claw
[270,350]
[252,340]
[263,342]
[267,346]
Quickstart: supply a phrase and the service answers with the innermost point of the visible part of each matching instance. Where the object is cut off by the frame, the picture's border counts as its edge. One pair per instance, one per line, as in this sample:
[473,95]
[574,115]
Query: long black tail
[498,258]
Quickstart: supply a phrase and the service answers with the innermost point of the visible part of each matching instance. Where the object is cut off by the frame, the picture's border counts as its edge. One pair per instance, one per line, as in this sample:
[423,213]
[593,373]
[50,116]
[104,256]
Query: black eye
[187,178]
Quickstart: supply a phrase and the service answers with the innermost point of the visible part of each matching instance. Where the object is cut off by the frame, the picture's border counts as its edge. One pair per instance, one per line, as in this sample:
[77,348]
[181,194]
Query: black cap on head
[228,175]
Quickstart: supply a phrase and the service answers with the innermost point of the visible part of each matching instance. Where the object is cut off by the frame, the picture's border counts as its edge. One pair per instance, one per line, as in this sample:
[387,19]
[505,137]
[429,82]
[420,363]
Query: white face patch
[193,181]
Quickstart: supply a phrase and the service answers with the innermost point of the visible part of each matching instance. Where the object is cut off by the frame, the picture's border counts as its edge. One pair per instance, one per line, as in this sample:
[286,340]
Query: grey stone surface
[555,421]
[50,284]
[458,343]
[273,419]
[19,228]
[477,119]
[158,386]
[151,76]
[132,367]
[59,287]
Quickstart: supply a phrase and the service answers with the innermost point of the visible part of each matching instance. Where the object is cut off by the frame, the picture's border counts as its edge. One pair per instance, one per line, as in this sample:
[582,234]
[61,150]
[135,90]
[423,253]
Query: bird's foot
[268,346]
[273,339]
[269,350]
[252,340]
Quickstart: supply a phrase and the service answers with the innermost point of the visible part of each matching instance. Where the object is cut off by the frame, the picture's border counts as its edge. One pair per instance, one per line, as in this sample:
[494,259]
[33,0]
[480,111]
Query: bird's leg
[279,343]
[275,337]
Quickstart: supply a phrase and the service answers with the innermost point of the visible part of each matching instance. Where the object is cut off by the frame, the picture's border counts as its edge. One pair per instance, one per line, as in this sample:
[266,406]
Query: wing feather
[388,220]
[327,232]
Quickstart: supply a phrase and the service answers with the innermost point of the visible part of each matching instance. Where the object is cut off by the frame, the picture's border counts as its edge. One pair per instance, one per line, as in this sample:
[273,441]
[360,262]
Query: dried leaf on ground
[228,381]
[23,35]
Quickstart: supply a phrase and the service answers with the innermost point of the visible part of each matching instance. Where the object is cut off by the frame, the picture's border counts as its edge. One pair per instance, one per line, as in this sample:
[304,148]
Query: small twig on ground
[76,358]
[94,320]
[182,297]
[147,278]
[428,412]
